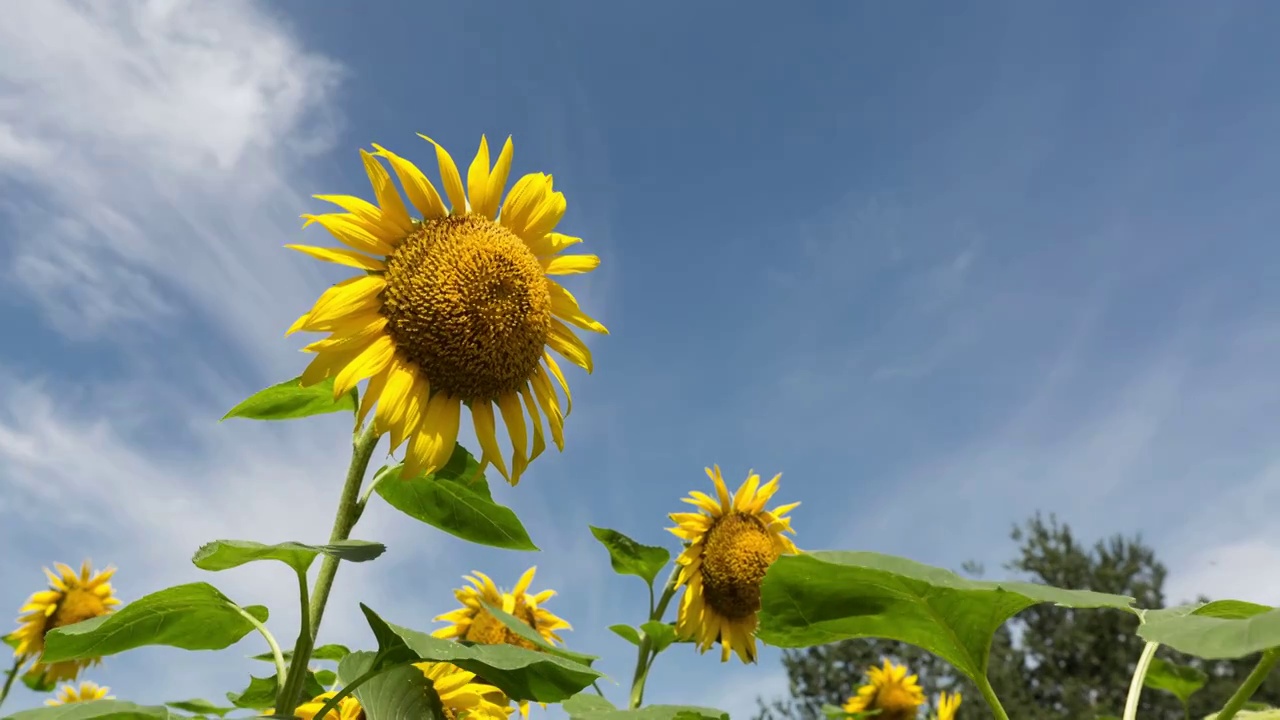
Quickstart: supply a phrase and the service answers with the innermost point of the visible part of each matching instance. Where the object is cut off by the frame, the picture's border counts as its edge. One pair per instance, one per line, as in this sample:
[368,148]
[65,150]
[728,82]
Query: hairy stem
[1250,685]
[644,660]
[1139,676]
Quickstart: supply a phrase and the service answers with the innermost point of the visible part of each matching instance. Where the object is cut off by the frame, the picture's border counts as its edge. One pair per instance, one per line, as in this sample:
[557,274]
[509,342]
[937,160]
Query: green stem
[989,694]
[643,659]
[291,685]
[1139,676]
[332,702]
[276,655]
[9,678]
[1246,690]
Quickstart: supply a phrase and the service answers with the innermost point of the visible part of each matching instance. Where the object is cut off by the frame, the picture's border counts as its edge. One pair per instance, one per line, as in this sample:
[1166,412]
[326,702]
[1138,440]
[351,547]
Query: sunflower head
[71,694]
[464,695]
[730,544]
[473,623]
[948,705]
[889,690]
[348,708]
[455,308]
[70,598]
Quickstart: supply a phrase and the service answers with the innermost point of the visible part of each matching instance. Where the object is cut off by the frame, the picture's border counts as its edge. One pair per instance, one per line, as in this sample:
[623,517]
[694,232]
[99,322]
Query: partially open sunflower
[70,598]
[455,308]
[890,693]
[85,692]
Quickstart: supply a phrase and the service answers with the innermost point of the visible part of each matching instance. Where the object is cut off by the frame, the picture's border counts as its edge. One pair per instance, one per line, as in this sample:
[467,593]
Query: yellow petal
[348,230]
[366,211]
[513,416]
[421,192]
[565,307]
[373,359]
[486,433]
[554,368]
[478,180]
[550,403]
[497,181]
[349,298]
[551,243]
[569,264]
[564,341]
[373,393]
[524,198]
[539,442]
[394,402]
[388,197]
[746,492]
[350,258]
[440,428]
[450,177]
[522,585]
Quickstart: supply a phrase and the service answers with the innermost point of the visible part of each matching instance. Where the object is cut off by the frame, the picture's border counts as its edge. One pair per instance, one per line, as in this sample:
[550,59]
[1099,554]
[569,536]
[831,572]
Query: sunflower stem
[989,694]
[645,656]
[1246,690]
[292,683]
[339,695]
[1139,676]
[276,656]
[9,678]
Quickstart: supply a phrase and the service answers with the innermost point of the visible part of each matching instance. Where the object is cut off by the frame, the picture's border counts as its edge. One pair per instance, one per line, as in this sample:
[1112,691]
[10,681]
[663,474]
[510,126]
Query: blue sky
[939,266]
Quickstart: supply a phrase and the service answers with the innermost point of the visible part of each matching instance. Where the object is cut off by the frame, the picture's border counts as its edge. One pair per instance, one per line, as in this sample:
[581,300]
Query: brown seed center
[738,551]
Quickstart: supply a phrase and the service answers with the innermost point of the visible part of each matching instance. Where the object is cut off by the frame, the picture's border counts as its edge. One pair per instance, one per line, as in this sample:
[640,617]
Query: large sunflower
[473,623]
[70,599]
[461,693]
[947,706]
[456,308]
[890,690]
[730,545]
[87,691]
[348,708]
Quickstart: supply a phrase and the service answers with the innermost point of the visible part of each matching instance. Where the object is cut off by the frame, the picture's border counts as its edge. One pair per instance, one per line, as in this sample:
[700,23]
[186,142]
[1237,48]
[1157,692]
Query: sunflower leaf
[289,400]
[397,692]
[37,681]
[587,706]
[1181,680]
[98,710]
[626,632]
[824,597]
[662,634]
[334,653]
[629,557]
[450,500]
[519,673]
[227,554]
[262,692]
[1218,630]
[200,707]
[195,616]
[516,626]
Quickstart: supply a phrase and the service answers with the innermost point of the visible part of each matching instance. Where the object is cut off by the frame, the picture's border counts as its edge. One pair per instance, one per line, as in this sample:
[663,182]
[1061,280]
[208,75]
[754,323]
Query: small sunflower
[948,705]
[890,690]
[70,599]
[730,545]
[87,691]
[461,693]
[456,308]
[473,623]
[348,708]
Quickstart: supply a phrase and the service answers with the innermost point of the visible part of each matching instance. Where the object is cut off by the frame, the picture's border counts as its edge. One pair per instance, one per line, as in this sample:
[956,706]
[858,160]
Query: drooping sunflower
[455,308]
[461,693]
[70,599]
[71,694]
[890,690]
[947,706]
[731,542]
[348,708]
[473,623]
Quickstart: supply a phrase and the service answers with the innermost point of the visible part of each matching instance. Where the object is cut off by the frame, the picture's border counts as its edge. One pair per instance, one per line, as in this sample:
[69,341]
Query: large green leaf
[521,674]
[192,617]
[514,625]
[629,557]
[660,634]
[262,692]
[1214,631]
[289,400]
[594,707]
[1180,680]
[455,500]
[97,710]
[398,693]
[333,653]
[227,554]
[824,597]
[626,632]
[200,706]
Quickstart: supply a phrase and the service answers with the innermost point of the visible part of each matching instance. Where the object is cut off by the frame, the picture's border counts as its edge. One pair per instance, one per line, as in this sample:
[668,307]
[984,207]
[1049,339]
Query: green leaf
[200,707]
[593,707]
[660,633]
[326,677]
[630,557]
[334,653]
[37,681]
[191,617]
[289,400]
[516,626]
[1214,631]
[521,674]
[1181,680]
[227,554]
[396,693]
[261,693]
[97,710]
[824,597]
[450,500]
[626,632]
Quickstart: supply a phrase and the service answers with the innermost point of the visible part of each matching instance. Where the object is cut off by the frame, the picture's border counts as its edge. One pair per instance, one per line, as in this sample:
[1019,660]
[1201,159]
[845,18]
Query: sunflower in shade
[86,692]
[70,598]
[890,692]
[473,623]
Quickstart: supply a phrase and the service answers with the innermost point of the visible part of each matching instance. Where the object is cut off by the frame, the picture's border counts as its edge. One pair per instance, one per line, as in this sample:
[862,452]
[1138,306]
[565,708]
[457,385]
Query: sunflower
[473,623]
[456,308]
[461,692]
[947,706]
[730,545]
[890,690]
[87,691]
[348,708]
[70,599]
